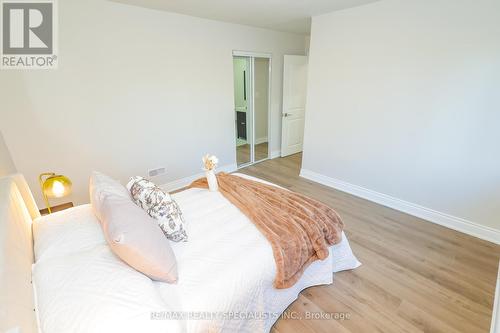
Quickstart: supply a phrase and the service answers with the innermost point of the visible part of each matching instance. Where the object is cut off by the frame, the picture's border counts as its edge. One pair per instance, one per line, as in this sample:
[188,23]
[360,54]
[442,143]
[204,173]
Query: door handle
[287,114]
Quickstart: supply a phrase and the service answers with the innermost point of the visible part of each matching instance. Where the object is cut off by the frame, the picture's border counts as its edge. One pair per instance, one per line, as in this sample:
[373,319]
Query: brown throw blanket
[299,229]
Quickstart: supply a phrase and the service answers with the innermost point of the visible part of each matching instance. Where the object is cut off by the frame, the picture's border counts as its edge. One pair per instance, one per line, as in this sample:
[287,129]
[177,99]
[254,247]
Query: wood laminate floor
[416,276]
[243,153]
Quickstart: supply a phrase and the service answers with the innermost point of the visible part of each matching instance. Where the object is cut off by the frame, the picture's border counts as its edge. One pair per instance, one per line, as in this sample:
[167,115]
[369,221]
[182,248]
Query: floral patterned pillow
[160,206]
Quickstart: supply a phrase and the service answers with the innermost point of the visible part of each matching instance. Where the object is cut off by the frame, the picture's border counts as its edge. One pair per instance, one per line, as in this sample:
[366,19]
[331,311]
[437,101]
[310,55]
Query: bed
[226,270]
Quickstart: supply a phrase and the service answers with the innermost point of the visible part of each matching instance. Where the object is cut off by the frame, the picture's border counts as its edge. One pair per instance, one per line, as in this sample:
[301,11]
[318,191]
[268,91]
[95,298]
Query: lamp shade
[57,186]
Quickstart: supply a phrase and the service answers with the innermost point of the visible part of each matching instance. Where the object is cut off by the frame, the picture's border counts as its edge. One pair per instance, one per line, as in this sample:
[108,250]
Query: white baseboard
[446,220]
[183,182]
[275,154]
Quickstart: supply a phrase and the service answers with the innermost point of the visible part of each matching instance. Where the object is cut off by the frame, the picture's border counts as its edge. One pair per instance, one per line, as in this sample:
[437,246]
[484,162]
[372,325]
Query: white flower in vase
[209,164]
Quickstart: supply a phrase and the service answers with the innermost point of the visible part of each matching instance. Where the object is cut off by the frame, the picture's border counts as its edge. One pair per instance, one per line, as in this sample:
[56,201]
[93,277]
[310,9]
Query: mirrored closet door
[251,107]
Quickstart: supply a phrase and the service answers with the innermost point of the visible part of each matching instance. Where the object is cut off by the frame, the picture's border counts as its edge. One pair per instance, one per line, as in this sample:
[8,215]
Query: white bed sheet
[226,271]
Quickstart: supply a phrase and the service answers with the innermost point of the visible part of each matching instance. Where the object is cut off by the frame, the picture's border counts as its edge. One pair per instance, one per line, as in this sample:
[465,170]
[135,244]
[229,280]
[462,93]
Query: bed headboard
[17,211]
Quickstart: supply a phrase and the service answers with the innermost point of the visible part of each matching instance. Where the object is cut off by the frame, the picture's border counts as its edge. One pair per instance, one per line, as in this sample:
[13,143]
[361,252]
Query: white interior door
[294,104]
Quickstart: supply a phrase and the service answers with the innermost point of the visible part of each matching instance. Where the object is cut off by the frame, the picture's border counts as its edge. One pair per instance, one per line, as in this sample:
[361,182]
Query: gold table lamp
[54,186]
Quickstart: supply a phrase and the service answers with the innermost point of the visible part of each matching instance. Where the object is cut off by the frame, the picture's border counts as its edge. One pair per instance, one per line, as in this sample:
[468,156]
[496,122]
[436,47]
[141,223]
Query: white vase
[213,186]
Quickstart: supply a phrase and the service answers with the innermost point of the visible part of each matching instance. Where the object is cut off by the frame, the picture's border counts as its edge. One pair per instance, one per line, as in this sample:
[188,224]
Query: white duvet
[226,274]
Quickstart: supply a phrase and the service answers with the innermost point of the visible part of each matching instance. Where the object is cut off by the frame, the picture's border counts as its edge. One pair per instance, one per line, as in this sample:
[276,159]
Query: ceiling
[282,15]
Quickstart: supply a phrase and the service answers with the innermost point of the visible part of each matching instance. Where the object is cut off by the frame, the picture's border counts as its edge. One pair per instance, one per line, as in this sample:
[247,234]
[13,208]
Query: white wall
[135,89]
[6,164]
[404,100]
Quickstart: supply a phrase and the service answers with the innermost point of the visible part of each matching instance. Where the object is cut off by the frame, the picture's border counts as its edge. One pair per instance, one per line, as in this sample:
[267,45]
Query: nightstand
[57,208]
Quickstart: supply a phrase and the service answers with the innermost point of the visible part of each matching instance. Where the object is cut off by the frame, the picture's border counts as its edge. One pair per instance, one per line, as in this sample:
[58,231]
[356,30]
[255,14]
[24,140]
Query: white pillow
[66,232]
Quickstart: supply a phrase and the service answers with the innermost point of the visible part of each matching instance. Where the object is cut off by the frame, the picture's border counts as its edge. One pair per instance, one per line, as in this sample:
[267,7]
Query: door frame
[252,55]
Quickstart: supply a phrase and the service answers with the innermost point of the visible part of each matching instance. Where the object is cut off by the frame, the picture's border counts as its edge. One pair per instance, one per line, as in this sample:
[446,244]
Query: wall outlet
[156,172]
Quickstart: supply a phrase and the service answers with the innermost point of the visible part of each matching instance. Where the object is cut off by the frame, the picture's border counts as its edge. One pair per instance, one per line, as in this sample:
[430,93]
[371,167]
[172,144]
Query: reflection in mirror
[241,67]
[261,105]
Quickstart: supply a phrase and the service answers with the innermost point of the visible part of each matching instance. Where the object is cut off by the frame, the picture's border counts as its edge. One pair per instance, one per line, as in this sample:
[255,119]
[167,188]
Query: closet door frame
[252,56]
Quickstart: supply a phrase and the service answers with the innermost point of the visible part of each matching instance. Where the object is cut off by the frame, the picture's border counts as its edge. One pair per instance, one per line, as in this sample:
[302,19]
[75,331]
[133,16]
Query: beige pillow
[101,184]
[136,239]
